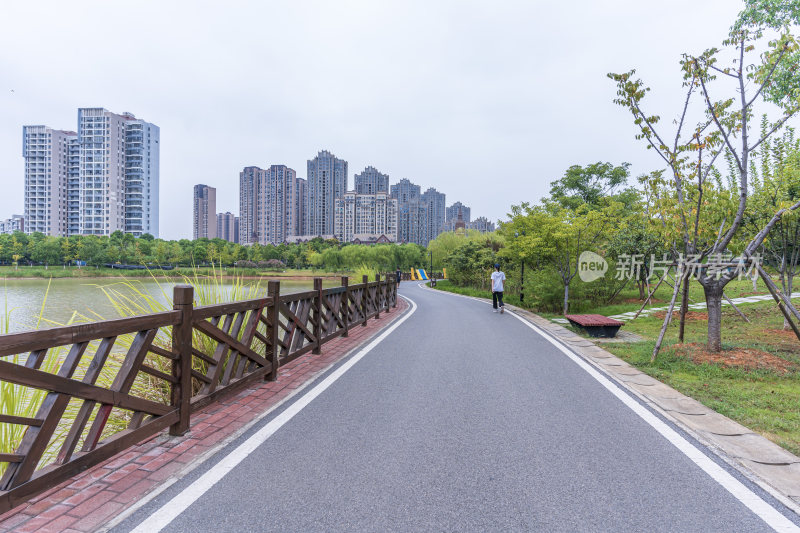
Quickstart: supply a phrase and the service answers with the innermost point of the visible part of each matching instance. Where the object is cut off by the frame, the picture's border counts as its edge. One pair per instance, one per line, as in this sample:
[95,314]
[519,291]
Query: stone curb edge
[197,462]
[760,460]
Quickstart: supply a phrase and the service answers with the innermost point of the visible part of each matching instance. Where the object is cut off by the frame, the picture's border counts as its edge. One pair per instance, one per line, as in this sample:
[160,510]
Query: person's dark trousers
[497,296]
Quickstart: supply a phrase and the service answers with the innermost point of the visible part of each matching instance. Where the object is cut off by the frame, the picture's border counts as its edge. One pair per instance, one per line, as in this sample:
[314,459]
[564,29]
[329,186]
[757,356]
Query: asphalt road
[459,420]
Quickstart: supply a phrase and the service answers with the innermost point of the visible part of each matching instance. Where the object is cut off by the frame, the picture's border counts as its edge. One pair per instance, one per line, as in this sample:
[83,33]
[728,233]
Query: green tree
[589,184]
[46,251]
[773,76]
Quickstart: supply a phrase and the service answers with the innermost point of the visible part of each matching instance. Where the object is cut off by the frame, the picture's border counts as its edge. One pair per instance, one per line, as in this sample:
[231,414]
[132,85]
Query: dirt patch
[783,339]
[690,315]
[747,358]
[751,293]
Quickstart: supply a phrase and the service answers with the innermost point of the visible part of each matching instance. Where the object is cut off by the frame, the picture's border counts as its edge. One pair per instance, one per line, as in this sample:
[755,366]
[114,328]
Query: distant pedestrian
[498,286]
[399,274]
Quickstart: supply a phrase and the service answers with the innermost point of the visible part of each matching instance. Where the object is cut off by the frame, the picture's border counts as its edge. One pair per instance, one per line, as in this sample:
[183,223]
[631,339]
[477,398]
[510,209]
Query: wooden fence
[152,372]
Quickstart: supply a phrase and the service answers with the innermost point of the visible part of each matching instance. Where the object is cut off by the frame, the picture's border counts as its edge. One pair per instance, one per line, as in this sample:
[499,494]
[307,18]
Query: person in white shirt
[498,285]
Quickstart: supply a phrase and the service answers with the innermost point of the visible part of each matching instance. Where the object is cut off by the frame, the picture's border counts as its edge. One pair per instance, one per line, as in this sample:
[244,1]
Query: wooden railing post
[273,316]
[182,297]
[394,294]
[364,298]
[318,316]
[345,308]
[378,296]
[386,292]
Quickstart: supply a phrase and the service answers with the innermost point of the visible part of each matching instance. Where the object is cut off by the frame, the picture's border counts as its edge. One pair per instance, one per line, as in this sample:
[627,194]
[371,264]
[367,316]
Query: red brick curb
[95,497]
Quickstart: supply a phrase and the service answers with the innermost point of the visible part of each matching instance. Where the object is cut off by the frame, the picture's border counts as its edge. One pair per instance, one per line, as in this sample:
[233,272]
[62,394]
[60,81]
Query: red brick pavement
[98,495]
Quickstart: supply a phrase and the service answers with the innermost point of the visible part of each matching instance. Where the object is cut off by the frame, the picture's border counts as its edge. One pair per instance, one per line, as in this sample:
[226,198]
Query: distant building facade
[98,180]
[48,169]
[272,205]
[366,217]
[204,222]
[327,181]
[481,224]
[451,213]
[435,204]
[10,225]
[228,227]
[300,205]
[370,181]
[249,179]
[277,205]
[412,213]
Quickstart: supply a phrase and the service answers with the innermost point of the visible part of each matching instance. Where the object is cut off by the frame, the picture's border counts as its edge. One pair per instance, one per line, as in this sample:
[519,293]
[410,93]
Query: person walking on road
[498,286]
[399,274]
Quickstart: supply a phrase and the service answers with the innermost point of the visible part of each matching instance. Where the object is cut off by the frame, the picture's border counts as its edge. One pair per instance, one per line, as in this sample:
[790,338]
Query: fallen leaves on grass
[747,358]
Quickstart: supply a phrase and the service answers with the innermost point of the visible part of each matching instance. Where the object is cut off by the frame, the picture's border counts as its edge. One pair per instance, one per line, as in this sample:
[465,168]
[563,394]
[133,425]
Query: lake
[22,299]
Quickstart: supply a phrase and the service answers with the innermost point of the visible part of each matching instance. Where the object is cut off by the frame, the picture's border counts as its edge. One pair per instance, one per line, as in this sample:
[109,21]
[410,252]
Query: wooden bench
[596,325]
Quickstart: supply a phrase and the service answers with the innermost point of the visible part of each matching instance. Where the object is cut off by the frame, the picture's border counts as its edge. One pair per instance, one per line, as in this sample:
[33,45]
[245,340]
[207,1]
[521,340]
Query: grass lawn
[756,379]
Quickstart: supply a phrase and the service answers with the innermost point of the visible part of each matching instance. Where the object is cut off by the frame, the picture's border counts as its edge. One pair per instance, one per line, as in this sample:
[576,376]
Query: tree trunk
[640,283]
[684,308]
[789,283]
[667,317]
[566,298]
[714,304]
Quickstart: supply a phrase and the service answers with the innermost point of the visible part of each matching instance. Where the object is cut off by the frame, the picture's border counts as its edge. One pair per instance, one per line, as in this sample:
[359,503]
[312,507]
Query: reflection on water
[22,299]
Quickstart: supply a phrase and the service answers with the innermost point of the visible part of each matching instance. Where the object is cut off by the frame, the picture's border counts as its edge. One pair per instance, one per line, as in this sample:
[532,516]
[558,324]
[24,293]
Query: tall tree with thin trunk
[751,77]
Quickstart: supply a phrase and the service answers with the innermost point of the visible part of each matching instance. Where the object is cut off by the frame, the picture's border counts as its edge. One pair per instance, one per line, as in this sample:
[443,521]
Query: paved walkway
[700,305]
[460,419]
[107,491]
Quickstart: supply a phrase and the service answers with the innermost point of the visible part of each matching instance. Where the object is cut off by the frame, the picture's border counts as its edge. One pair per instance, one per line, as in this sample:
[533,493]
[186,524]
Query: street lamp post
[522,280]
[431,255]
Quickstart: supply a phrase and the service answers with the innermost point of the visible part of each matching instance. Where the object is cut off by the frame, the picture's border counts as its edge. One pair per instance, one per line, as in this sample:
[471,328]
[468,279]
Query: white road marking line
[751,500]
[173,508]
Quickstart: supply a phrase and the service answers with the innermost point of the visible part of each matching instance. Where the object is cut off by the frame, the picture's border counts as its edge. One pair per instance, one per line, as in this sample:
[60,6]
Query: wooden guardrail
[183,360]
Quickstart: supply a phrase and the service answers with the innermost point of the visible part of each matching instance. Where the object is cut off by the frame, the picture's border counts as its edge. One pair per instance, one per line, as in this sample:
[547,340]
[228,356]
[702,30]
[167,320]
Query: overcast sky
[486,101]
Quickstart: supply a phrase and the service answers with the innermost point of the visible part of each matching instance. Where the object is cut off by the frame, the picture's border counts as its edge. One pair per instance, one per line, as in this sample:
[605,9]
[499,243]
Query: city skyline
[459,106]
[276,203]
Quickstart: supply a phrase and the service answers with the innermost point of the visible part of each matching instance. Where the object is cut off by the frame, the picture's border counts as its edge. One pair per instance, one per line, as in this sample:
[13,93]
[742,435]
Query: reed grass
[129,298]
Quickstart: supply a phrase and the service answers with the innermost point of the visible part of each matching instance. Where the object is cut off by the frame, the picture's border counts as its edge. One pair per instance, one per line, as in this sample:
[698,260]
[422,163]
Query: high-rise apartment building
[327,181]
[405,191]
[272,205]
[47,173]
[142,154]
[300,206]
[366,217]
[227,227]
[370,181]
[435,203]
[412,222]
[10,225]
[481,224]
[451,213]
[99,180]
[412,213]
[204,225]
[249,179]
[277,213]
[118,173]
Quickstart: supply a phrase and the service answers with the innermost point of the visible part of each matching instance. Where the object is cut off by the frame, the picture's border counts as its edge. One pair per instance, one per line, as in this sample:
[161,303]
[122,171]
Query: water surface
[22,300]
